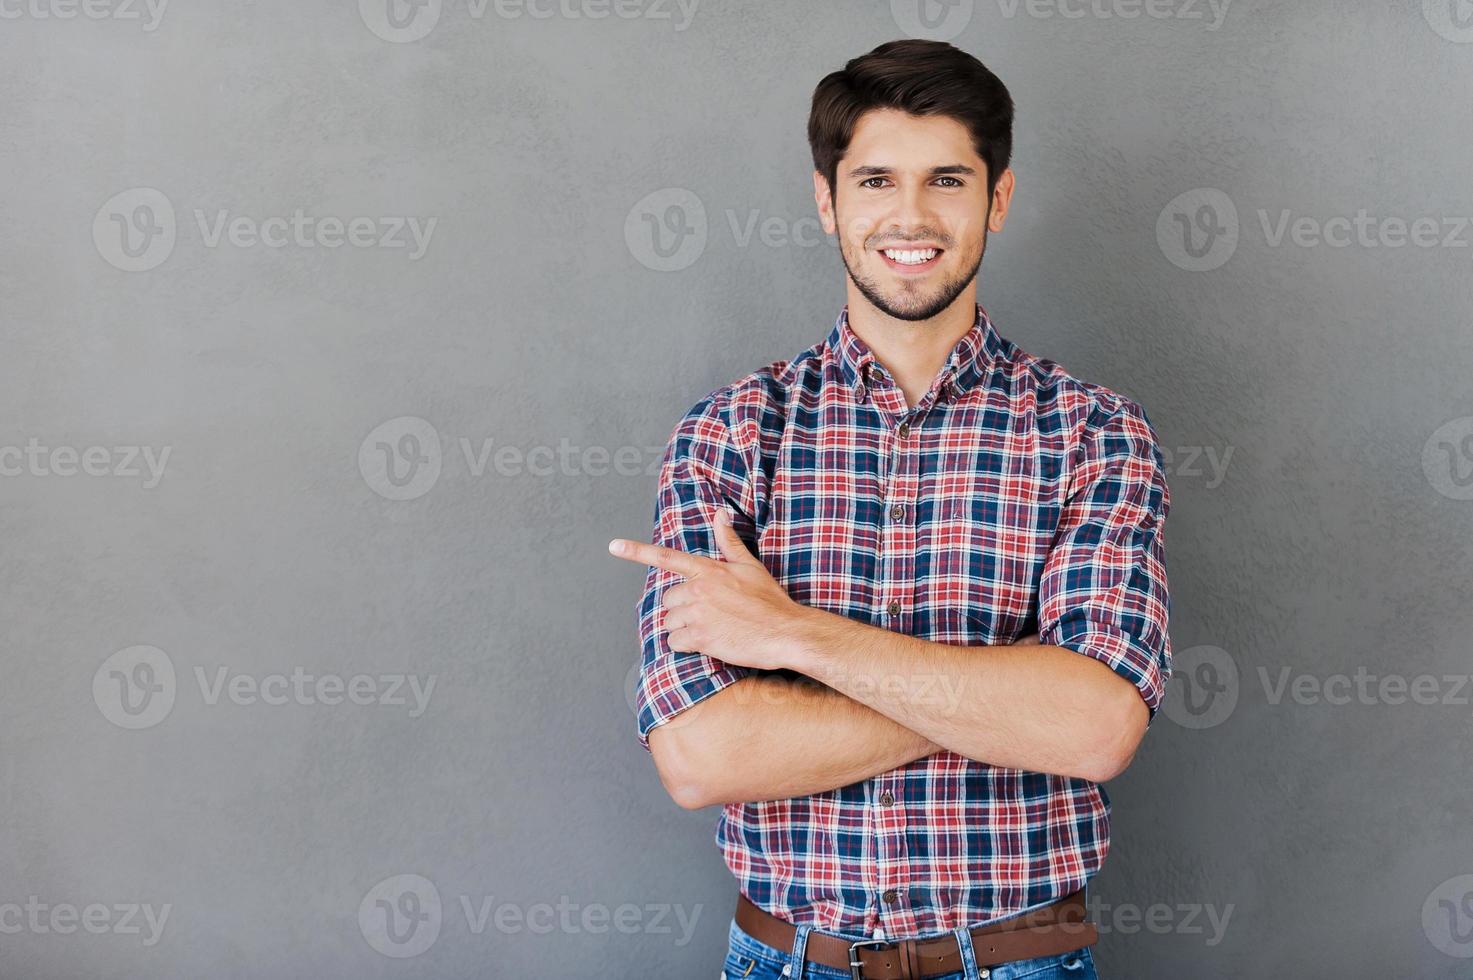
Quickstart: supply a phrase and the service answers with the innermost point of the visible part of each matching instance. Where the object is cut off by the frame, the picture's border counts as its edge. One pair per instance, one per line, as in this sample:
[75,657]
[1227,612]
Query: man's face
[911,210]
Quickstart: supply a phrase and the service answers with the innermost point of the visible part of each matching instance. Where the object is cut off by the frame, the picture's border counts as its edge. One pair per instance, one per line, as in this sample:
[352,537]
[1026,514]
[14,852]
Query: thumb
[732,548]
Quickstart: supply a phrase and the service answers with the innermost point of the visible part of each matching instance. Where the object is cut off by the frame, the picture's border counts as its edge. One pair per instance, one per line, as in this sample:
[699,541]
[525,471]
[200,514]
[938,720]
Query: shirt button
[886,798]
[889,896]
[904,429]
[894,608]
[897,512]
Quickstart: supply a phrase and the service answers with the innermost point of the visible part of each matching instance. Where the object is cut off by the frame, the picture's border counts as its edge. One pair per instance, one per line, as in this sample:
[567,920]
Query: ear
[823,198]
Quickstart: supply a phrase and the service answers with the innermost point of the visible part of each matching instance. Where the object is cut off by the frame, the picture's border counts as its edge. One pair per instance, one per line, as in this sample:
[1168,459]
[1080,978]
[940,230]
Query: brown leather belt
[1047,931]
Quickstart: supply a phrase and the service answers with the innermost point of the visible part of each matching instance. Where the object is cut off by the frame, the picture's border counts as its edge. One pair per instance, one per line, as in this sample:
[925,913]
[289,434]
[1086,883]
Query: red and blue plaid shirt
[1013,499]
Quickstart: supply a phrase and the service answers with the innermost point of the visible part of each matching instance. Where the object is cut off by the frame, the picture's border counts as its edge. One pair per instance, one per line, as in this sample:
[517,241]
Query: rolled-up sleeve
[1103,591]
[702,472]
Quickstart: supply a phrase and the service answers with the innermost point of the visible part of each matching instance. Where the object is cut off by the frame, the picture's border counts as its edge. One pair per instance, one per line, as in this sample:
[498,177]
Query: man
[907,603]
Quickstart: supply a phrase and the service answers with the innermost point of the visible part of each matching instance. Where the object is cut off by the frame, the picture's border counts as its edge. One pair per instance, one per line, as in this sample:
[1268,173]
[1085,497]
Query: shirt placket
[897,595]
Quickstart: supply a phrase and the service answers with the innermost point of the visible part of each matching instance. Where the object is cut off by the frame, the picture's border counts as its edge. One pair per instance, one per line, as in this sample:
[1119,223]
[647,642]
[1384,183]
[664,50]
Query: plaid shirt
[1014,498]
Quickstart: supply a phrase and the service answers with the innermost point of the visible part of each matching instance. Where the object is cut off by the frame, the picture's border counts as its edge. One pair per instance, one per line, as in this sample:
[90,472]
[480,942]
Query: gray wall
[531,352]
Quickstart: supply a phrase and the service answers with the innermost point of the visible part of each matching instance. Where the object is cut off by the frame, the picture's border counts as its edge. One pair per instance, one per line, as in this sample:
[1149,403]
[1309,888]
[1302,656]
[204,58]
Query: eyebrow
[882,171]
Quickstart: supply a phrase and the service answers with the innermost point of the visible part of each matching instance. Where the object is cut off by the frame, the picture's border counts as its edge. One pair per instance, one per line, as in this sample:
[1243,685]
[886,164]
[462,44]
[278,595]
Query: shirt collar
[967,364]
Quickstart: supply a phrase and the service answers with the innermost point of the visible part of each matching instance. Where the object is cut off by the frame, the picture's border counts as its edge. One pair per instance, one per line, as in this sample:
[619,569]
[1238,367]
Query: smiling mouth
[911,259]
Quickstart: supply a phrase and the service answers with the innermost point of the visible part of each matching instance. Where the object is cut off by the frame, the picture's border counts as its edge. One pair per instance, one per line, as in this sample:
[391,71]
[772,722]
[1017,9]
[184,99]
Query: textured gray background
[1337,538]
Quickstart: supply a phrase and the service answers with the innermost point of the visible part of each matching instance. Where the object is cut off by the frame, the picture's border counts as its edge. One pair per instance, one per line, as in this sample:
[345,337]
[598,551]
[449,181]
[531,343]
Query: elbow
[689,796]
[1106,768]
[1124,728]
[685,781]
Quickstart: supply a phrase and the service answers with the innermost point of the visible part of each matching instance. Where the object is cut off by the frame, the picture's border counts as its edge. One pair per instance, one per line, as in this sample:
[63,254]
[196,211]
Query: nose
[911,215]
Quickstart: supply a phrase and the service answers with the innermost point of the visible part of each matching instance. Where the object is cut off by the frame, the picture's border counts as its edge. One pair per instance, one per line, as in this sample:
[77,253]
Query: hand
[733,610]
[1031,640]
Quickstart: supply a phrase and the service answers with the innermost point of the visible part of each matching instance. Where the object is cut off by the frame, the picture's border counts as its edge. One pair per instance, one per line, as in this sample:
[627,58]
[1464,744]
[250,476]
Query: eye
[954,181]
[865,183]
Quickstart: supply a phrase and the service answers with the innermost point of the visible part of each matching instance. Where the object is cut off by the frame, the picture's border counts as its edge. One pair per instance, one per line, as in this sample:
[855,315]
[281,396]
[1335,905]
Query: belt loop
[800,952]
[963,936]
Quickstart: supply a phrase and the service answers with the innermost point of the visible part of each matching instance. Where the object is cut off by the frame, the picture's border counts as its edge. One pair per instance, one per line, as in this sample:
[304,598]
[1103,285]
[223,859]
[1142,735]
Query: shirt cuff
[1121,652]
[660,710]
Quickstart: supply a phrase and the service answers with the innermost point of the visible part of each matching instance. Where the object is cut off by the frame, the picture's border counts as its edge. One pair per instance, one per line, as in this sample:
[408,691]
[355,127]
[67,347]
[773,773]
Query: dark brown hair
[924,78]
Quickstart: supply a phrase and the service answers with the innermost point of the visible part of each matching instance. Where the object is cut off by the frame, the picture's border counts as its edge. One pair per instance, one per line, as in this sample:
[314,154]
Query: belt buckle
[855,967]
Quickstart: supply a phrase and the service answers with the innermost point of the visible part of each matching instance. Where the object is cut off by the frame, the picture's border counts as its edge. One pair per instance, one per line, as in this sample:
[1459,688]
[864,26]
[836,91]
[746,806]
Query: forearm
[767,737]
[1039,708]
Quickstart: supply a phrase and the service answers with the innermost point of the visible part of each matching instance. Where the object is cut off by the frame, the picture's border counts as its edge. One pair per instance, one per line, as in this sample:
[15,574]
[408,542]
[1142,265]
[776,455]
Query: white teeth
[912,256]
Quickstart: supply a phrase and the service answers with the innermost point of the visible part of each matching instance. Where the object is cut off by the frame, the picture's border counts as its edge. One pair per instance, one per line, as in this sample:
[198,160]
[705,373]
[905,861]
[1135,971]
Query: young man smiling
[907,605]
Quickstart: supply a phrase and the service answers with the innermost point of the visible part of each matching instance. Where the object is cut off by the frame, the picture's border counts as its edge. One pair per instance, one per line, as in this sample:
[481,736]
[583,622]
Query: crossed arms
[725,724]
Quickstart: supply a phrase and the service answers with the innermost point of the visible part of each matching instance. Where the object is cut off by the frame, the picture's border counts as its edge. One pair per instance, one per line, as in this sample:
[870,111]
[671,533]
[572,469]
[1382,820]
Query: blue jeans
[747,959]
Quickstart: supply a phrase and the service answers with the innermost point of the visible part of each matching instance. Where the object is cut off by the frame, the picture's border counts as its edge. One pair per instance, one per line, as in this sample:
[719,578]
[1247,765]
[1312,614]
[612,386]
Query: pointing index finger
[679,562]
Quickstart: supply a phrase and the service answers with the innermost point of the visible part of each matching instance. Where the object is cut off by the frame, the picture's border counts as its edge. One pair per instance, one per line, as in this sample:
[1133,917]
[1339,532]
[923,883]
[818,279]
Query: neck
[912,350]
